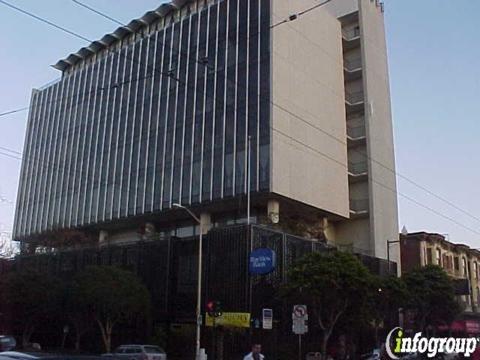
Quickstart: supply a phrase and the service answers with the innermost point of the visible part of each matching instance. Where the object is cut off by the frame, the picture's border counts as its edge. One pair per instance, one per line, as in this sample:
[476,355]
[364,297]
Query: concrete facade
[345,135]
[361,78]
[378,118]
[308,109]
[310,88]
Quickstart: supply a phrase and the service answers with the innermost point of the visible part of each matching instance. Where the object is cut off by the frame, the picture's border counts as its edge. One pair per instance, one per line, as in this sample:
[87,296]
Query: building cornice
[120,33]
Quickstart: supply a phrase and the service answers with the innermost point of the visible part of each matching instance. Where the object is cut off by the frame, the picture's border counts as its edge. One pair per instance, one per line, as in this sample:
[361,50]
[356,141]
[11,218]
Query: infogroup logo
[397,345]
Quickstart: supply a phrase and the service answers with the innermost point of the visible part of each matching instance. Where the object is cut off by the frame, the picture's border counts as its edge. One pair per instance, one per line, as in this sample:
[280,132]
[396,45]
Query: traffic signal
[214,308]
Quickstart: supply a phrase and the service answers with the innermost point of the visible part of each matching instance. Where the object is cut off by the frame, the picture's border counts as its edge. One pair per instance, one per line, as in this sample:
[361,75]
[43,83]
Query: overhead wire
[201,61]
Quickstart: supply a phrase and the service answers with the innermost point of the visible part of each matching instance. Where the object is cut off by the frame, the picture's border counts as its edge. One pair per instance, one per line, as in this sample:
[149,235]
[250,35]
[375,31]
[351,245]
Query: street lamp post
[389,242]
[66,329]
[199,279]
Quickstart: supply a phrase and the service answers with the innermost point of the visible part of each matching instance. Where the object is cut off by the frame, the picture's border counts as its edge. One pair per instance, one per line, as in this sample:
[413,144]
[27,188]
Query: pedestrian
[255,354]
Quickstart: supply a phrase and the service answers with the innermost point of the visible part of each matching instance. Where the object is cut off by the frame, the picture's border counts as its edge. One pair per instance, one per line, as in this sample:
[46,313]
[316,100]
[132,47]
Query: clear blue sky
[434,58]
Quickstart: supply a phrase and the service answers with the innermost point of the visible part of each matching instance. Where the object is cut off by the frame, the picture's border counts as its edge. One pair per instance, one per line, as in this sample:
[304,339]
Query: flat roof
[424,235]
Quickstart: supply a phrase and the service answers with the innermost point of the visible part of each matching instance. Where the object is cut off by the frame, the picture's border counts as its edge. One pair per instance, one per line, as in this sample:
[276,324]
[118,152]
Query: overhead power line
[48,22]
[306,11]
[10,155]
[118,22]
[291,18]
[381,184]
[14,111]
[295,16]
[98,12]
[10,150]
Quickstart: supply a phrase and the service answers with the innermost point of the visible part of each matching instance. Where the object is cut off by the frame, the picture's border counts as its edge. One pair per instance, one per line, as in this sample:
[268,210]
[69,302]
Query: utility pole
[199,280]
[249,150]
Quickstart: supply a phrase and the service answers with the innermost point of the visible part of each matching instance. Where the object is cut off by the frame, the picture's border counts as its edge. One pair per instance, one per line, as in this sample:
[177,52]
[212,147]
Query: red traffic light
[214,308]
[210,307]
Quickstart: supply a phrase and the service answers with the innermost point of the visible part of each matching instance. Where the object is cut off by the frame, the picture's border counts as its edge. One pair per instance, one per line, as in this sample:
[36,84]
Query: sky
[434,64]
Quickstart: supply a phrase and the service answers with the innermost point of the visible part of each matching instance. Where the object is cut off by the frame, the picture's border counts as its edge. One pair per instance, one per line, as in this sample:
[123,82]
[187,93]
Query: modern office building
[201,102]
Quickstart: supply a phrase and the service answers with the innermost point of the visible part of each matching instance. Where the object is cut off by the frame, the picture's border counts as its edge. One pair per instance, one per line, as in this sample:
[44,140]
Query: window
[356,30]
[446,262]
[475,270]
[464,267]
[456,263]
[140,145]
[153,350]
[429,256]
[439,259]
[185,231]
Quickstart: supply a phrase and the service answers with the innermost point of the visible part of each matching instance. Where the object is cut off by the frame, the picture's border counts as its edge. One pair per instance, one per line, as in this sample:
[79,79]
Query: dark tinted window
[153,350]
[164,119]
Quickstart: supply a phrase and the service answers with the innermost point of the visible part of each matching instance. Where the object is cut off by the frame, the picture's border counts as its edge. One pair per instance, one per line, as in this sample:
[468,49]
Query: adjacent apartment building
[459,261]
[200,102]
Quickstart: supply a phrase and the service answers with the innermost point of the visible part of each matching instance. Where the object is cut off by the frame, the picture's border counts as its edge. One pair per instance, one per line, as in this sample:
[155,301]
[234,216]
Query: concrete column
[206,220]
[422,247]
[149,230]
[328,231]
[103,238]
[273,211]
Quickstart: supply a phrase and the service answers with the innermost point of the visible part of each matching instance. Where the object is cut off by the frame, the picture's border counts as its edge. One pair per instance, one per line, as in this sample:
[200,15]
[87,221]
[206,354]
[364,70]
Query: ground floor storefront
[168,268]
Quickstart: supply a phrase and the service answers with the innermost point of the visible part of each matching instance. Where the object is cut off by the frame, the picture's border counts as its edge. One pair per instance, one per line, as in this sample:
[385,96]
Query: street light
[199,279]
[66,329]
[389,242]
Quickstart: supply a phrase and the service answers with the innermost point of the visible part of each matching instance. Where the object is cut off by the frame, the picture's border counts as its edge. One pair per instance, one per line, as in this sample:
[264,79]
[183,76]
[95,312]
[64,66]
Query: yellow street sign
[229,320]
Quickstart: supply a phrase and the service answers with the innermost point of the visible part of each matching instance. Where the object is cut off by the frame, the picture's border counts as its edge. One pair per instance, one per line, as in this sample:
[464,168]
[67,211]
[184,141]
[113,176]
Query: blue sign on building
[262,261]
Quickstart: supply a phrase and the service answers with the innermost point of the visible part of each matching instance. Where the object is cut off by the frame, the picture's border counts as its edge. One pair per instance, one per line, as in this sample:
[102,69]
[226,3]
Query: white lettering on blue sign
[262,261]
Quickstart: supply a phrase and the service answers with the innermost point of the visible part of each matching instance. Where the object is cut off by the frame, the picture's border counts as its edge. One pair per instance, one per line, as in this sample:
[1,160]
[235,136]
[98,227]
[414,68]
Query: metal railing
[354,97]
[352,33]
[350,248]
[352,64]
[357,168]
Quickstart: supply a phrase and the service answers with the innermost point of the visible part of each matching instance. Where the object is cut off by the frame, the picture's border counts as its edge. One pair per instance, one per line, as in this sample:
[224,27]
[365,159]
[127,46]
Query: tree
[390,294]
[432,296]
[7,248]
[111,295]
[64,238]
[31,298]
[334,284]
[77,313]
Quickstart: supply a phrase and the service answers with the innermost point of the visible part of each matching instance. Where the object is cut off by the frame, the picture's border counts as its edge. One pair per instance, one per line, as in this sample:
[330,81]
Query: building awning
[462,326]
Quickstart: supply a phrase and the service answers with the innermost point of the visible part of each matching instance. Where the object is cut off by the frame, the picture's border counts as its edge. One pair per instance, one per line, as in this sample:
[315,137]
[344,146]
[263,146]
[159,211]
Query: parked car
[449,356]
[410,357]
[374,355]
[15,355]
[19,355]
[442,356]
[4,357]
[7,343]
[139,352]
